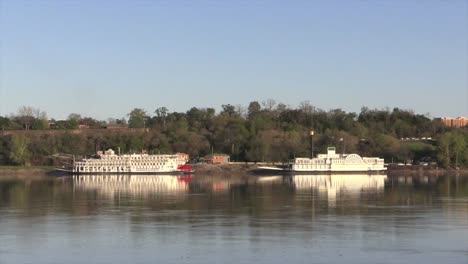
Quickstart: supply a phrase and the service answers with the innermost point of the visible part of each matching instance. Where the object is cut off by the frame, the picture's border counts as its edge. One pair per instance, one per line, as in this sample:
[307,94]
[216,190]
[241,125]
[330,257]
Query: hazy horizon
[102,59]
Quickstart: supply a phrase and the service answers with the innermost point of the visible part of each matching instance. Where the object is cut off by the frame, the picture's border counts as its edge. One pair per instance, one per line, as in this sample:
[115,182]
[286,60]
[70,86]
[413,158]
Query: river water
[184,219]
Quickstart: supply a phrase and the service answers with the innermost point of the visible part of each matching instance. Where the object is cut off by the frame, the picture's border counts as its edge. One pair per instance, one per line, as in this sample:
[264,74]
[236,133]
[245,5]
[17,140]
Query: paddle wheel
[185,168]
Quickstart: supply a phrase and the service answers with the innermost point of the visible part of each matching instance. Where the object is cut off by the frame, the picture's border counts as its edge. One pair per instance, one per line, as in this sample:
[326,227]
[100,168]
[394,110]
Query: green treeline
[260,132]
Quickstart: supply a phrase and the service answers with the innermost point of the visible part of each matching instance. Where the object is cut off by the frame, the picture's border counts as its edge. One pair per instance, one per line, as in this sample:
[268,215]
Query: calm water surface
[295,219]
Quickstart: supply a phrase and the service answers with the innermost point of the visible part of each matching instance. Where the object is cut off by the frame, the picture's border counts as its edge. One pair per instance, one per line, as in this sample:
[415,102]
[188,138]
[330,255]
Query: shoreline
[20,172]
[234,170]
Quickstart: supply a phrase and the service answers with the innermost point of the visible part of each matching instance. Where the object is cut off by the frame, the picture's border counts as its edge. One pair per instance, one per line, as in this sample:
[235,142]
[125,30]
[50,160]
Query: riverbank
[234,170]
[224,169]
[241,169]
[423,170]
[25,172]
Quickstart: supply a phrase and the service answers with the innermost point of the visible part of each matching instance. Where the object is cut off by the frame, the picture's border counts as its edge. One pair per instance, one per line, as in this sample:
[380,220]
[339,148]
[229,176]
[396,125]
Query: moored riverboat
[110,163]
[330,162]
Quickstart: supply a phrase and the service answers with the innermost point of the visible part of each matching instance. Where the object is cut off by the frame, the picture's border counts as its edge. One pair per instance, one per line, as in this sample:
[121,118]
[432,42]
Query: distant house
[217,158]
[183,156]
[83,126]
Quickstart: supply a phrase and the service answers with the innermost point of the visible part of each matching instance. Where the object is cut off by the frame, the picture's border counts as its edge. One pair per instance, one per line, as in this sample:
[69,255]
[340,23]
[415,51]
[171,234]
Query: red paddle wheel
[185,168]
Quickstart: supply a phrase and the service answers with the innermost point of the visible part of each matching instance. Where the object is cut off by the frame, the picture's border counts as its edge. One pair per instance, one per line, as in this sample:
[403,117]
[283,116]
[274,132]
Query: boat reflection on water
[333,185]
[350,183]
[134,185]
[276,179]
[330,186]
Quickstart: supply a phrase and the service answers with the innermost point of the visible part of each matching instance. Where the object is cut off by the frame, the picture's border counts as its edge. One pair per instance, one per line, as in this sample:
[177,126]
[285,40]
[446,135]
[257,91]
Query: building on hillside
[460,122]
[183,156]
[446,120]
[217,158]
[454,122]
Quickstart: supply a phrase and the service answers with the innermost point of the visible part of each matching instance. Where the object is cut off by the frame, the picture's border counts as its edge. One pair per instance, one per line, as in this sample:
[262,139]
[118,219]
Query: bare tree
[40,115]
[281,107]
[26,115]
[161,113]
[111,121]
[269,104]
[307,107]
[241,111]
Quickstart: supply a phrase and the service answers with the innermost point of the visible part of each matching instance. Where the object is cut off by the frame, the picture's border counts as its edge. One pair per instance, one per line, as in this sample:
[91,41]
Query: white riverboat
[331,162]
[110,163]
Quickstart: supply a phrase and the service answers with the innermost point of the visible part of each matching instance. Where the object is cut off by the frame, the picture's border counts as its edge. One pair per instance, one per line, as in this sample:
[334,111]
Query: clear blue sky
[103,58]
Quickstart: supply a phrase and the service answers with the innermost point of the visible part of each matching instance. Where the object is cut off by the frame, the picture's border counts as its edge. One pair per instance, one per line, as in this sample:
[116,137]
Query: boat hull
[126,172]
[283,171]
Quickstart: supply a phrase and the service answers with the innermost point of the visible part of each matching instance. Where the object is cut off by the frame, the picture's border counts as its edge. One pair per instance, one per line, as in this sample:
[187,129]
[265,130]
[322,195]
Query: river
[270,219]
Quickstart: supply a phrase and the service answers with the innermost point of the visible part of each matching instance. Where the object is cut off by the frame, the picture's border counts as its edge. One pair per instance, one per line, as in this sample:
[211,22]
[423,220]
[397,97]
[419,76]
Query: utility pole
[311,133]
[342,146]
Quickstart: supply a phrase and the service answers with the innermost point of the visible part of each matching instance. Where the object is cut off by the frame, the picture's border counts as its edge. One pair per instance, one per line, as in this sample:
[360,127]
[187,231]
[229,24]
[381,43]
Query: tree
[210,113]
[228,109]
[137,118]
[72,144]
[459,147]
[41,121]
[91,122]
[386,146]
[306,107]
[20,153]
[4,151]
[280,108]
[73,120]
[267,131]
[4,122]
[161,113]
[25,114]
[269,104]
[240,110]
[253,109]
[111,121]
[32,118]
[136,144]
[452,149]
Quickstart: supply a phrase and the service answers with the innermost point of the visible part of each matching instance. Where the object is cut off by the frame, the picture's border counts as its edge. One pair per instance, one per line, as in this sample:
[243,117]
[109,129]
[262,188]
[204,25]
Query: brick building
[183,156]
[454,122]
[217,158]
